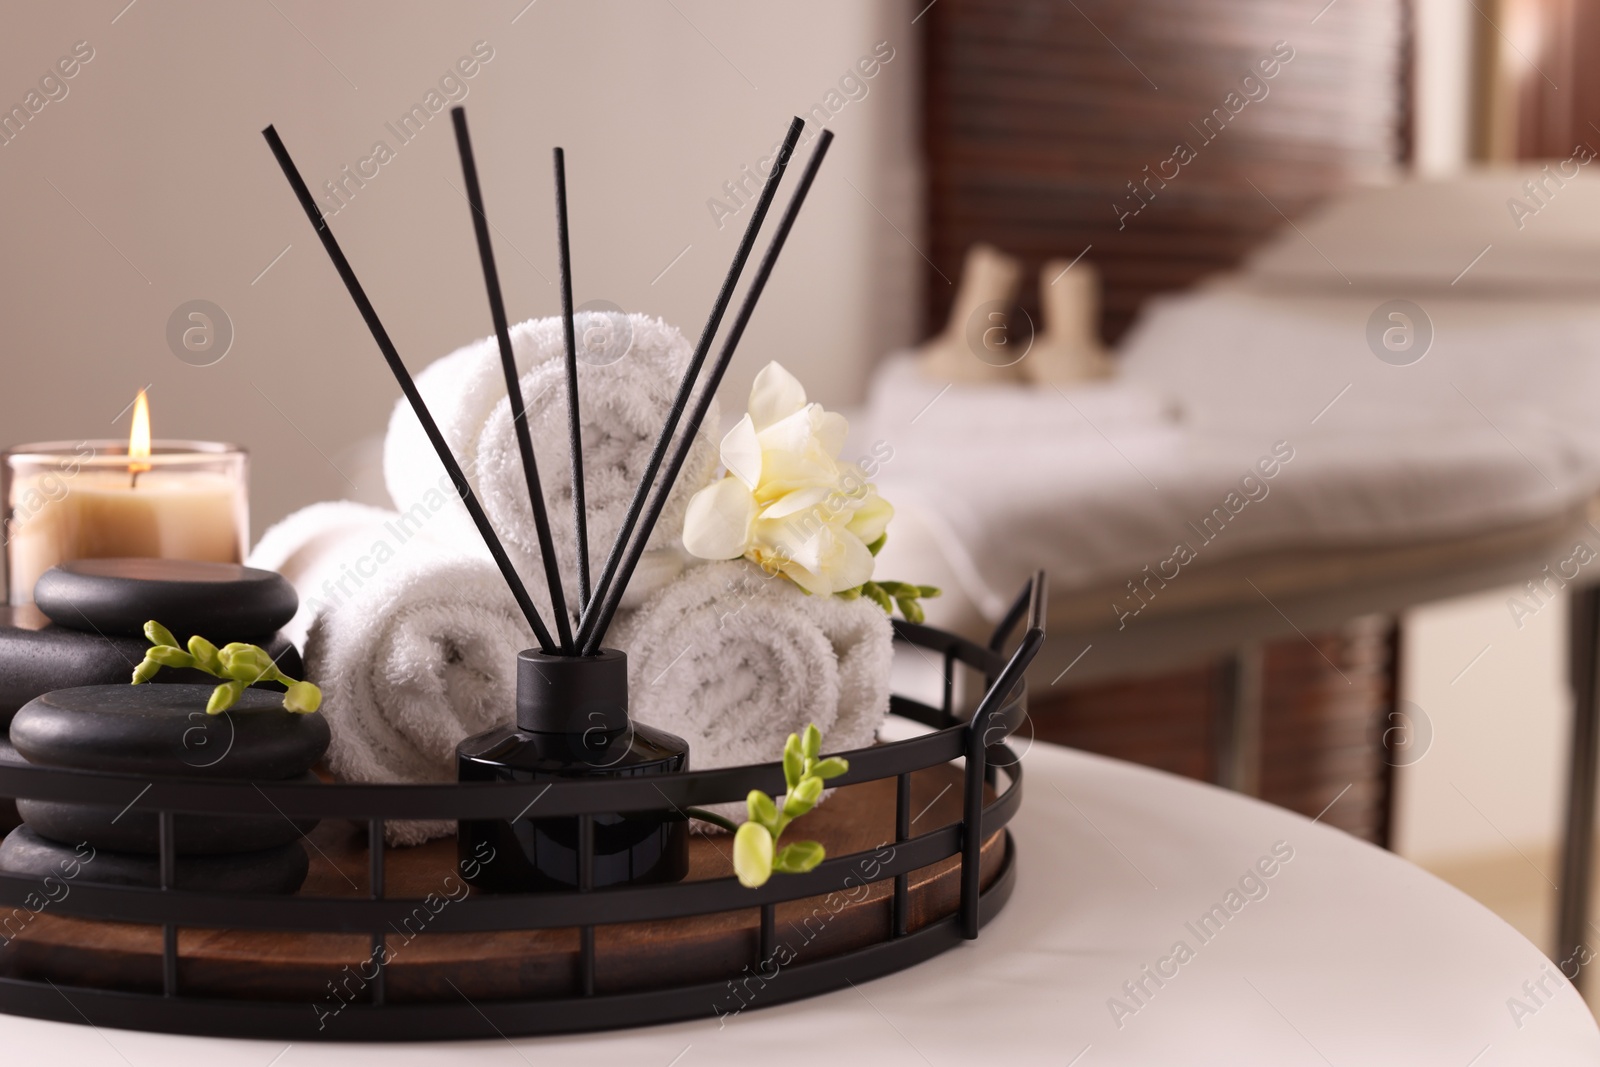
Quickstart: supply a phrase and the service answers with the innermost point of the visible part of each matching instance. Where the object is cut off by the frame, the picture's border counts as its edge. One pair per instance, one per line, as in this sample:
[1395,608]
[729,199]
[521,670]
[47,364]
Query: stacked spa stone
[88,717]
[87,627]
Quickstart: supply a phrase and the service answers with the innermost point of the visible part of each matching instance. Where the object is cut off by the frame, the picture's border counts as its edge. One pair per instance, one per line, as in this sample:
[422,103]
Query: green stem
[713,818]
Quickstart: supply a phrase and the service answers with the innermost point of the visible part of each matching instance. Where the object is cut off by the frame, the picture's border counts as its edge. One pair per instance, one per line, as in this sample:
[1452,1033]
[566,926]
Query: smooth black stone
[149,729]
[37,656]
[135,831]
[542,854]
[280,870]
[124,829]
[116,597]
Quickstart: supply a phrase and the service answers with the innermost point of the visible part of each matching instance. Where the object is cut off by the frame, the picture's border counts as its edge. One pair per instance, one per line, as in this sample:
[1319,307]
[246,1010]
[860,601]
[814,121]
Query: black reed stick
[603,588]
[580,521]
[508,363]
[730,343]
[407,386]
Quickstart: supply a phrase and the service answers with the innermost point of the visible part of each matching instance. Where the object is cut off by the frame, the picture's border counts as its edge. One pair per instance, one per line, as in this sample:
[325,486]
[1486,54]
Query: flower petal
[717,525]
[849,564]
[793,541]
[776,394]
[807,579]
[871,518]
[798,500]
[795,432]
[752,854]
[741,453]
[831,429]
[784,472]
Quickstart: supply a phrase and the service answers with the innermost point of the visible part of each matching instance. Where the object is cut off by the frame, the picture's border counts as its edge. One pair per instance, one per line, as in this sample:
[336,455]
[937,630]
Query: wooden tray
[326,969]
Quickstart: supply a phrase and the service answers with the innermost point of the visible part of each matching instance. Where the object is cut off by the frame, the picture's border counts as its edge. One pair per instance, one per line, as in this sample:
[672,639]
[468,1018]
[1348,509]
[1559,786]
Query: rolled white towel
[414,645]
[624,403]
[328,552]
[733,662]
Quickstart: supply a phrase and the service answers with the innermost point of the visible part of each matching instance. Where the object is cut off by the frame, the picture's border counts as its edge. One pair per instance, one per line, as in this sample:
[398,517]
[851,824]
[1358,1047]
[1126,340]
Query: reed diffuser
[571,717]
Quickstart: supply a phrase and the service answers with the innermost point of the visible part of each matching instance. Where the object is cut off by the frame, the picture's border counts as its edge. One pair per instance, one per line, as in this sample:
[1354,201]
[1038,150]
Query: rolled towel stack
[733,661]
[414,644]
[628,371]
[411,633]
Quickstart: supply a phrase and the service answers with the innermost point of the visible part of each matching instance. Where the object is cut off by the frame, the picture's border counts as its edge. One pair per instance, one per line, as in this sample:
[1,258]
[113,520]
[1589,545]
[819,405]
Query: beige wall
[1496,699]
[1443,79]
[174,196]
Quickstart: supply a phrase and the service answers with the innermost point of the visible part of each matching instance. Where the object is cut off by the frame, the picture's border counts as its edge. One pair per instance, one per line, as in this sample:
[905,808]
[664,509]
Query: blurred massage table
[1473,467]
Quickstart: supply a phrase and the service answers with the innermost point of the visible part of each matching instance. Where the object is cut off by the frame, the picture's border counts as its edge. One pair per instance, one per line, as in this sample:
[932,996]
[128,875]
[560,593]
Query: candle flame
[139,436]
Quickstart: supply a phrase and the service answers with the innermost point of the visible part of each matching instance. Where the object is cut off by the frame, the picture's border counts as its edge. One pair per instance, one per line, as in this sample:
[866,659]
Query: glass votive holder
[69,500]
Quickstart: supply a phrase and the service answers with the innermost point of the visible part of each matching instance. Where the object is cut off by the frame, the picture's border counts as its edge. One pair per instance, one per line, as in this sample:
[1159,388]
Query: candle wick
[133,478]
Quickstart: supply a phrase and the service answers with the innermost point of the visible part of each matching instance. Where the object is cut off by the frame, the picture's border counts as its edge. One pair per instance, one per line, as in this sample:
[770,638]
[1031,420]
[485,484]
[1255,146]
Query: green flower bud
[811,743]
[877,546]
[205,655]
[799,857]
[794,761]
[224,697]
[911,609]
[928,592]
[157,634]
[169,656]
[303,698]
[802,798]
[875,593]
[831,767]
[762,809]
[752,855]
[146,670]
[246,663]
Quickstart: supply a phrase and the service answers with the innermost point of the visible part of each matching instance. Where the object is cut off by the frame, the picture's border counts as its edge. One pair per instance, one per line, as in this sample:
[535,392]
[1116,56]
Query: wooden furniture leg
[1577,850]
[1237,752]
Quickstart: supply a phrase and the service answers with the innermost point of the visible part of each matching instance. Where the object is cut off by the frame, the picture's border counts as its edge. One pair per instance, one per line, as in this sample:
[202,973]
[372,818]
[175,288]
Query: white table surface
[1353,956]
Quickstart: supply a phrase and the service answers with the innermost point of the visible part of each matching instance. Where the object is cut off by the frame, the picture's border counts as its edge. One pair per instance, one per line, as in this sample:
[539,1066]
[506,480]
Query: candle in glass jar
[101,499]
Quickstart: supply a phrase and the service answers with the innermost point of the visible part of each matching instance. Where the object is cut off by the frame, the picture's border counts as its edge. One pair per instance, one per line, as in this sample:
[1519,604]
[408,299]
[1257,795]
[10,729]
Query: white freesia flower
[787,501]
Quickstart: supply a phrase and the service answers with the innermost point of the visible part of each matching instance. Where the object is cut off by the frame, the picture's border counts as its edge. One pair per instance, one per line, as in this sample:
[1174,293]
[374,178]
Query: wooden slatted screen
[1042,115]
[1325,702]
[1554,79]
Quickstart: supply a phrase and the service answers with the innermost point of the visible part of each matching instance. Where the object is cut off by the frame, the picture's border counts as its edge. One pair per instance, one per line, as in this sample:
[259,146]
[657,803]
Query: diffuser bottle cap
[572,694]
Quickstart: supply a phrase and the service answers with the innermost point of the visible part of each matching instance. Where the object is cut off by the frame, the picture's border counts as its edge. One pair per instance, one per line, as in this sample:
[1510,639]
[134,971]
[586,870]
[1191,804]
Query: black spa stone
[164,729]
[134,831]
[128,828]
[116,597]
[280,870]
[37,656]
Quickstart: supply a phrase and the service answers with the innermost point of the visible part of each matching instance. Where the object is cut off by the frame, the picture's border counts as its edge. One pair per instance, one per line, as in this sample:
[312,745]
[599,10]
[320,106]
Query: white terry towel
[624,404]
[414,645]
[329,551]
[733,662]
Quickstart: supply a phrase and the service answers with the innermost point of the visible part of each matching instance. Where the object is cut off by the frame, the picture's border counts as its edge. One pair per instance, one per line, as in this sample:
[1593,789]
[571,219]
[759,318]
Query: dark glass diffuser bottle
[572,722]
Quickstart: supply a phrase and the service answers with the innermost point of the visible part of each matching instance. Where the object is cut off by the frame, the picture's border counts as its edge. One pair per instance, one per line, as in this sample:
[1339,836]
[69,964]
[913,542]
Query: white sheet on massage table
[1490,430]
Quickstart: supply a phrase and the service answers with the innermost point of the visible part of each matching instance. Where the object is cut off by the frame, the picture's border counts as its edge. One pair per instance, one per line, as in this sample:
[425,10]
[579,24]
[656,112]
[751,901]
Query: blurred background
[1048,130]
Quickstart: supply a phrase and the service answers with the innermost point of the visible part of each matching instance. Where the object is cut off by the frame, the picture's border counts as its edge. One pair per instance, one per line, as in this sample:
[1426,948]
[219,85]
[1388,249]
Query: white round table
[1342,954]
